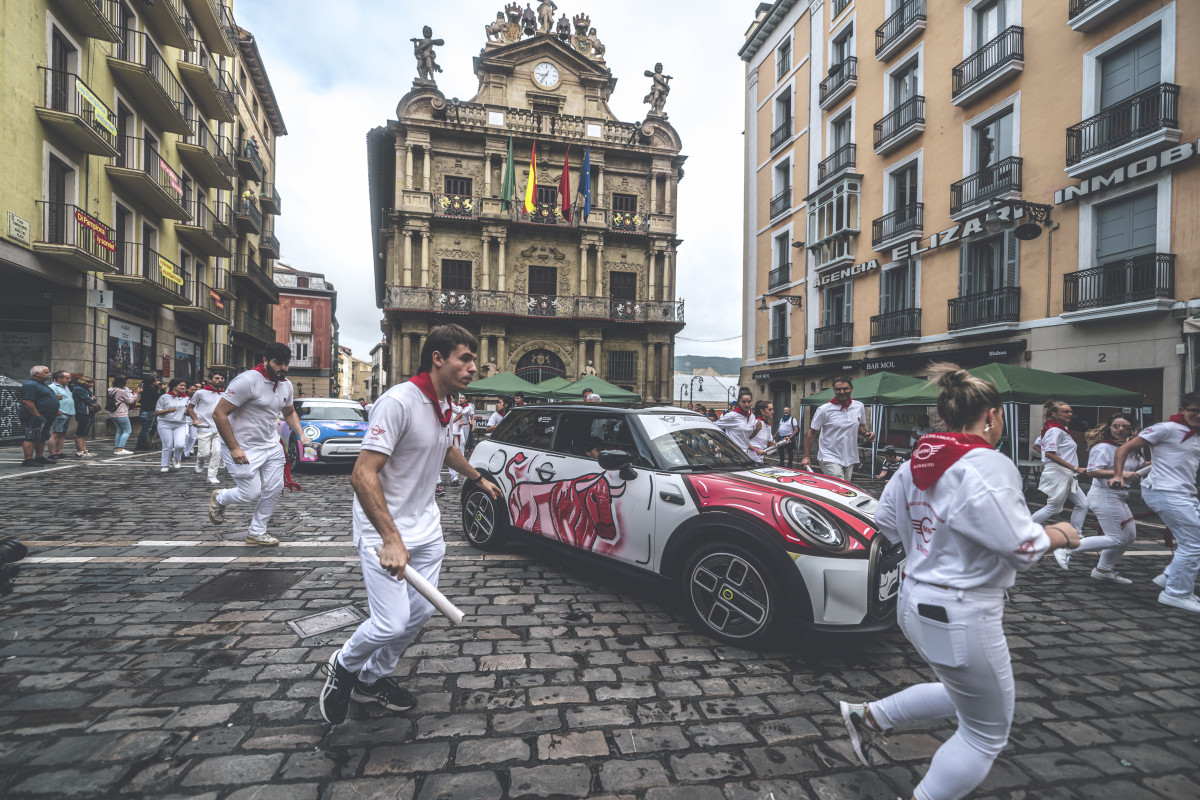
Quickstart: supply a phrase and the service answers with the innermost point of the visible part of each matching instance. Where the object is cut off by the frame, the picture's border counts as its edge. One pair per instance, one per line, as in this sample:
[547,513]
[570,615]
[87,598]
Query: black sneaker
[44,462]
[29,462]
[386,692]
[335,697]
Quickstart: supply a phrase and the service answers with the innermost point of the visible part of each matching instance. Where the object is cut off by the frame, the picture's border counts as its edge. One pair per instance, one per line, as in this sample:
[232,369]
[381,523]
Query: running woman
[739,422]
[247,417]
[1060,475]
[408,441]
[1170,490]
[839,422]
[172,411]
[1108,504]
[958,508]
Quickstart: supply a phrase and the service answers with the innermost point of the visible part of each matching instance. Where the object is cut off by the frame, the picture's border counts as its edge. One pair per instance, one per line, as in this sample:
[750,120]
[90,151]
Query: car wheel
[483,519]
[293,454]
[730,593]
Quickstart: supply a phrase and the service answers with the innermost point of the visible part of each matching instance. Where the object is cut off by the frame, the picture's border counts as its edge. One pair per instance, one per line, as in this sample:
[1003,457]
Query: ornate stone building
[548,292]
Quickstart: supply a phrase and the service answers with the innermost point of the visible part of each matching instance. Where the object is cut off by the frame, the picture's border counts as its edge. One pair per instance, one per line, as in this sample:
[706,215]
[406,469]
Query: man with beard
[204,403]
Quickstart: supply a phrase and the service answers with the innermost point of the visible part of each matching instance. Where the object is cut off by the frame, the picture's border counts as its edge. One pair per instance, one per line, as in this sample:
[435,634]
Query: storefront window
[130,349]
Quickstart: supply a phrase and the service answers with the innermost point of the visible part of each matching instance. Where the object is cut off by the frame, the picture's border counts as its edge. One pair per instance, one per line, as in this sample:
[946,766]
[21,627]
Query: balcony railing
[1077,7]
[834,336]
[779,276]
[455,300]
[456,205]
[205,297]
[248,215]
[207,234]
[247,267]
[211,86]
[543,305]
[628,222]
[520,304]
[248,325]
[1136,116]
[839,6]
[904,324]
[92,125]
[221,282]
[140,261]
[839,160]
[202,153]
[988,60]
[93,18]
[1129,280]
[904,220]
[543,214]
[303,325]
[781,202]
[997,180]
[146,178]
[777,348]
[839,75]
[248,160]
[90,244]
[268,245]
[268,198]
[141,66]
[781,134]
[907,116]
[899,26]
[985,308]
[783,64]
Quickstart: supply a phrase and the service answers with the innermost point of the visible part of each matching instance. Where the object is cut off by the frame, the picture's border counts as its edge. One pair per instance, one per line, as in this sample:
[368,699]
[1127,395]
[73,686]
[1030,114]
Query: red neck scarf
[1191,431]
[936,452]
[739,410]
[425,383]
[837,401]
[261,369]
[208,387]
[180,394]
[1112,441]
[1052,423]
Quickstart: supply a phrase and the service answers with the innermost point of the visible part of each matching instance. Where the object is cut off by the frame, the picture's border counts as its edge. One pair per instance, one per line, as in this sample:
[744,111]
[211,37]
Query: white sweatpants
[173,436]
[208,451]
[970,656]
[398,611]
[1116,522]
[1060,485]
[1179,511]
[459,443]
[836,470]
[189,443]
[259,482]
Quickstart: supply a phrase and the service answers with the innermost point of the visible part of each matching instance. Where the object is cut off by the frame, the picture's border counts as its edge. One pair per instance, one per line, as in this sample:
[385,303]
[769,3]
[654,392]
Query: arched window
[540,365]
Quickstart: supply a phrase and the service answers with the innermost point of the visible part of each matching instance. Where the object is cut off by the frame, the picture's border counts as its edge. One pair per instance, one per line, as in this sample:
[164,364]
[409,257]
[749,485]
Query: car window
[531,429]
[330,412]
[613,431]
[690,440]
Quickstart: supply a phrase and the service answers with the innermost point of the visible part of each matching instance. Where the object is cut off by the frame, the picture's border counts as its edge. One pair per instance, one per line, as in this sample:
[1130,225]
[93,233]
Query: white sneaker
[261,539]
[214,481]
[120,451]
[175,465]
[1189,603]
[165,469]
[1112,576]
[216,511]
[1063,557]
[863,735]
[198,470]
[1160,580]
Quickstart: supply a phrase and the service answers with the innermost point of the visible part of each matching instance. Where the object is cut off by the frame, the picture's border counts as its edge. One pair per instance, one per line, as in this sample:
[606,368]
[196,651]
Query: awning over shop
[869,390]
[609,393]
[1025,385]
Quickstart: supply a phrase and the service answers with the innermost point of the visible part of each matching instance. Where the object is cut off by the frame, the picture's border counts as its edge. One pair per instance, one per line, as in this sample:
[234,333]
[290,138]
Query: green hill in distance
[724,366]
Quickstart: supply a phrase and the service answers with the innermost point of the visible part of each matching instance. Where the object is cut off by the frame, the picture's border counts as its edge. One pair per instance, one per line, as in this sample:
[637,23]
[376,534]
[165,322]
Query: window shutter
[1011,254]
[966,285]
[848,302]
[885,292]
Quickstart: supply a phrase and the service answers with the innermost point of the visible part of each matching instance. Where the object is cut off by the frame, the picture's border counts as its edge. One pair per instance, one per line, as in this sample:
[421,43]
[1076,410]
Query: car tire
[293,454]
[730,593]
[484,520]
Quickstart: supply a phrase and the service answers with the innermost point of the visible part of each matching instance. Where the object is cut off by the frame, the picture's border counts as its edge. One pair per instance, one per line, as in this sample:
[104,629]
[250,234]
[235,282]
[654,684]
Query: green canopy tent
[868,390]
[504,384]
[550,385]
[608,392]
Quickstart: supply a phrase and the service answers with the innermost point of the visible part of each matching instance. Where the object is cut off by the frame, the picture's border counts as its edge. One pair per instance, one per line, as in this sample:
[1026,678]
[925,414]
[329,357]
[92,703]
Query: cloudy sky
[340,68]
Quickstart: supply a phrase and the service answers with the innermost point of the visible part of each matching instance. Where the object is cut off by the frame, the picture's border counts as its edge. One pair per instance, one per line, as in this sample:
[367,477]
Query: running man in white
[395,514]
[208,441]
[247,417]
[839,422]
[460,424]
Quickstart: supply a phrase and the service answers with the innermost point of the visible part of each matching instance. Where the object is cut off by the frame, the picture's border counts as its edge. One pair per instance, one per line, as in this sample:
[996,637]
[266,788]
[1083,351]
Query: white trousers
[208,443]
[970,656]
[836,470]
[1116,523]
[459,442]
[190,440]
[173,436]
[1060,485]
[259,482]
[398,611]
[1179,511]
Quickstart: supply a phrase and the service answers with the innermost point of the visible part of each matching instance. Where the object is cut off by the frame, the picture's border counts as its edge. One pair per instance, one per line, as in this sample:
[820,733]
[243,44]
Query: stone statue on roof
[659,90]
[426,58]
[529,21]
[545,13]
[563,29]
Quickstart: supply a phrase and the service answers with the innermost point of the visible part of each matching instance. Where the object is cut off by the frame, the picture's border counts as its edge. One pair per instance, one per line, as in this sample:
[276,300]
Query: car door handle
[671,497]
[545,472]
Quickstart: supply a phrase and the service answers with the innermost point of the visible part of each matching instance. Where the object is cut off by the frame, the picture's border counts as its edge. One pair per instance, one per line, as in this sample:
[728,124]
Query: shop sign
[172,178]
[216,298]
[956,233]
[1138,169]
[100,110]
[832,367]
[839,275]
[167,270]
[965,356]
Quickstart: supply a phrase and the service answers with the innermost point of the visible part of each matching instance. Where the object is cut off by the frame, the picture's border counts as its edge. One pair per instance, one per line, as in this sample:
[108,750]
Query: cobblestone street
[564,680]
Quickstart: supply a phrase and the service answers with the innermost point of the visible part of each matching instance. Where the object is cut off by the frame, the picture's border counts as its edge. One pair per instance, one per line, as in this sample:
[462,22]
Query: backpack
[110,405]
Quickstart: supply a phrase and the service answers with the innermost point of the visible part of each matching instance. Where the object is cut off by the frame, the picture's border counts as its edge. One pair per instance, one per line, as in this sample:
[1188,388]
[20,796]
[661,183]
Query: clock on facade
[546,74]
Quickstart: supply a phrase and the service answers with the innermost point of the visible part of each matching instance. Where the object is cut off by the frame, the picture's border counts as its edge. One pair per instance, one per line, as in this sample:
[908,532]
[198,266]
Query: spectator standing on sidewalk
[839,423]
[66,412]
[208,441]
[85,415]
[172,415]
[39,407]
[120,402]
[786,436]
[150,391]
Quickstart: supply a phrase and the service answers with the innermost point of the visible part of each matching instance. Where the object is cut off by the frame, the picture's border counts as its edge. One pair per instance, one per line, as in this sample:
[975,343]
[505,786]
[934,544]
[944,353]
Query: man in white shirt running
[208,441]
[247,417]
[395,515]
[839,422]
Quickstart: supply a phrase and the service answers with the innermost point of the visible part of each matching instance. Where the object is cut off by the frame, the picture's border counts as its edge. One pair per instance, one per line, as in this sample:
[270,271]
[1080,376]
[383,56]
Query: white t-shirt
[259,401]
[760,441]
[787,426]
[1173,462]
[839,432]
[205,403]
[738,428]
[468,419]
[495,419]
[1059,442]
[971,529]
[402,426]
[1101,457]
[178,415]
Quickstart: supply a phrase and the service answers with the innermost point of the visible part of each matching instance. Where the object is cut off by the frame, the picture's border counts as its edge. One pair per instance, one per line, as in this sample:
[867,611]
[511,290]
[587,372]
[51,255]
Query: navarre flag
[564,186]
[585,182]
[509,185]
[531,187]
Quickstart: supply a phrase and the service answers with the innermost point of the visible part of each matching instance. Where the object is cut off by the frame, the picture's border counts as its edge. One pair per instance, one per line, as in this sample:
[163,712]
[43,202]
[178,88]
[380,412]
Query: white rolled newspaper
[430,593]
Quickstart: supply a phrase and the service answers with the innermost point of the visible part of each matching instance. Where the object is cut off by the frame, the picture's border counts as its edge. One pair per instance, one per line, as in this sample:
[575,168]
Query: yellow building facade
[992,180]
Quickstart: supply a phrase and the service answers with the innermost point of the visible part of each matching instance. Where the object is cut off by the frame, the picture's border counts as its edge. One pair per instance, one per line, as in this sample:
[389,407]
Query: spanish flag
[531,186]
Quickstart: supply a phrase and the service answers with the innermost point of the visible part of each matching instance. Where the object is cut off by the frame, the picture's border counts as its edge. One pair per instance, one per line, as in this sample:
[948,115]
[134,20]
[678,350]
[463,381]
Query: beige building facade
[548,292]
[992,180]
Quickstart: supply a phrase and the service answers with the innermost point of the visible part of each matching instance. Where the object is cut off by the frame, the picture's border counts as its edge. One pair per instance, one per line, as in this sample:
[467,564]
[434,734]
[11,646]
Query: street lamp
[692,387]
[1035,212]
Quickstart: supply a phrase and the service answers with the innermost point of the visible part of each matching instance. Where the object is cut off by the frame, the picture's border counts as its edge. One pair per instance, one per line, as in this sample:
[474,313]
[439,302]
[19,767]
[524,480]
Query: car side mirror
[618,461]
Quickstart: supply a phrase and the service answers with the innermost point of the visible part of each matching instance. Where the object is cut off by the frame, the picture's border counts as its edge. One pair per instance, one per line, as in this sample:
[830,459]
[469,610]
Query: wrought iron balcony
[205,233]
[205,304]
[520,304]
[778,348]
[248,269]
[781,202]
[838,162]
[268,245]
[904,324]
[628,222]
[543,214]
[783,64]
[203,155]
[210,86]
[145,178]
[623,309]
[1087,15]
[73,111]
[832,337]
[249,163]
[247,216]
[93,18]
[899,29]
[459,206]
[1129,280]
[781,134]
[246,325]
[1002,56]
[1001,178]
[985,308]
[75,238]
[209,20]
[779,276]
[543,305]
[140,69]
[149,274]
[221,281]
[906,221]
[900,125]
[1141,115]
[842,78]
[268,198]
[164,18]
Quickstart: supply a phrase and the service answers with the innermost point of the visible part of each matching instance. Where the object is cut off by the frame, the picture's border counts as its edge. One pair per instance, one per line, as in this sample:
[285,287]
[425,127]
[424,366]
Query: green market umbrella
[609,393]
[870,389]
[504,384]
[551,385]
[1025,385]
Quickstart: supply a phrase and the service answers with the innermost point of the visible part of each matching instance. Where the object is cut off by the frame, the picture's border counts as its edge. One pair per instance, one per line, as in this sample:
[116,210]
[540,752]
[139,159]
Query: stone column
[487,176]
[483,349]
[645,390]
[665,371]
[500,267]
[583,268]
[426,178]
[502,350]
[485,279]
[405,357]
[408,167]
[600,187]
[401,176]
[669,192]
[668,276]
[599,271]
[653,276]
[407,280]
[582,360]
[653,194]
[425,258]
[417,355]
[598,359]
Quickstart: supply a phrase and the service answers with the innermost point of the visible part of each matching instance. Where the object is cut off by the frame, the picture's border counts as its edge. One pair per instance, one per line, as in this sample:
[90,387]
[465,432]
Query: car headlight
[814,526]
[311,432]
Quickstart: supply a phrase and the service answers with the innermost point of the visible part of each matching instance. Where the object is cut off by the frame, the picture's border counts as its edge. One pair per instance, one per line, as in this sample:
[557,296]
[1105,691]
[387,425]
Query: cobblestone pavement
[565,681]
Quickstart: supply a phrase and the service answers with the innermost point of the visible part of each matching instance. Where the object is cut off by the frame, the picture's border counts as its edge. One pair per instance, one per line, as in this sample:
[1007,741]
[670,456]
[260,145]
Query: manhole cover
[331,620]
[246,584]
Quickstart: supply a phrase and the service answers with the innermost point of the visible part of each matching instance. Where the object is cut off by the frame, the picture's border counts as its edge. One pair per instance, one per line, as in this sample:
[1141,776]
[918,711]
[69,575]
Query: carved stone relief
[519,346]
[625,266]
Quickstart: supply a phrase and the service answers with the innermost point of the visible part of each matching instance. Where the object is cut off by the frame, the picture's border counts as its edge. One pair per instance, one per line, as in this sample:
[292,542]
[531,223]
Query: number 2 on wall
[1103,358]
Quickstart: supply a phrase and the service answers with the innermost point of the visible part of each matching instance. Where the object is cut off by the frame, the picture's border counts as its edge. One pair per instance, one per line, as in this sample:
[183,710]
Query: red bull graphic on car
[578,512]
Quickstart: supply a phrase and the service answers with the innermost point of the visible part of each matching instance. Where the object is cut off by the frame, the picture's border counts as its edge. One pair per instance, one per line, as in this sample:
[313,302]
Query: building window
[625,202]
[1133,68]
[456,275]
[540,365]
[547,195]
[301,348]
[898,288]
[989,21]
[458,186]
[905,83]
[837,304]
[301,282]
[1127,227]
[623,285]
[841,49]
[301,319]
[779,327]
[622,365]
[831,221]
[543,281]
[992,141]
[841,132]
[986,265]
[781,188]
[783,58]
[904,187]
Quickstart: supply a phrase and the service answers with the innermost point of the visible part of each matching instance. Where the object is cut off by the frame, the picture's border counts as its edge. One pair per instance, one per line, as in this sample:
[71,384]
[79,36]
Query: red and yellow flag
[531,187]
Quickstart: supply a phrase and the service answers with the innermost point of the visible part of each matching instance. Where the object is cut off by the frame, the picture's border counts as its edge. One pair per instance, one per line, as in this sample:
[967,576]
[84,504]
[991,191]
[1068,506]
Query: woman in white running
[172,410]
[958,508]
[1109,505]
[1060,475]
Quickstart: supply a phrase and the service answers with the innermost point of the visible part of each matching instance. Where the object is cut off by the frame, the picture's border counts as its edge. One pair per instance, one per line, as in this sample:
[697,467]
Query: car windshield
[684,441]
[330,412]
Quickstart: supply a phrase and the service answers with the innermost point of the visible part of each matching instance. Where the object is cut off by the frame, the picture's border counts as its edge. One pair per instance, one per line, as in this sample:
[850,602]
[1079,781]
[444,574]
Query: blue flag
[585,183]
